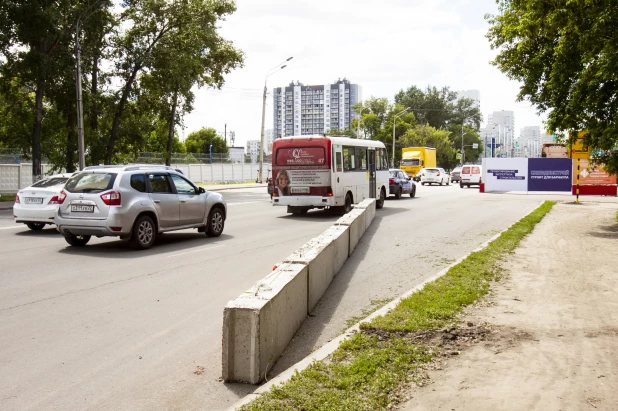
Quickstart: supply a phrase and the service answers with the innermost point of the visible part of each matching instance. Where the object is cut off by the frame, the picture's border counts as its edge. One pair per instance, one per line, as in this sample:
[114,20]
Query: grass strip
[369,370]
[7,197]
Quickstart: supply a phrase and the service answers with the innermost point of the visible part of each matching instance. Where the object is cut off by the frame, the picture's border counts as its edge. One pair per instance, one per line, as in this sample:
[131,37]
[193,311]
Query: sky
[384,46]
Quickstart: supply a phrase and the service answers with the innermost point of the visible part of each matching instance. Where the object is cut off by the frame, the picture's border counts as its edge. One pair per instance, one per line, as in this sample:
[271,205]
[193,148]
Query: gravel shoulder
[552,341]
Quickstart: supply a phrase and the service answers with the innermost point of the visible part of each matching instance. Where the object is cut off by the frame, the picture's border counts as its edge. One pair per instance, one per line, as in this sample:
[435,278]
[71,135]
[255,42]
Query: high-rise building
[501,127]
[253,149]
[530,139]
[303,110]
[268,140]
[473,95]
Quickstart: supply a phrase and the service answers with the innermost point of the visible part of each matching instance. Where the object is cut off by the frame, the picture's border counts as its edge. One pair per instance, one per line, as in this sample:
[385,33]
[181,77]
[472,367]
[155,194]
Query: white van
[471,175]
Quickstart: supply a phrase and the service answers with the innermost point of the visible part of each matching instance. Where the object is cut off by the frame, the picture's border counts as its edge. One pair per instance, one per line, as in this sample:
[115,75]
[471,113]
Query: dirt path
[554,322]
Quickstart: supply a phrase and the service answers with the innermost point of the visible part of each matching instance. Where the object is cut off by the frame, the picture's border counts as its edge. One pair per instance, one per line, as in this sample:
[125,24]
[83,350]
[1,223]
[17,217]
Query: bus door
[337,174]
[371,160]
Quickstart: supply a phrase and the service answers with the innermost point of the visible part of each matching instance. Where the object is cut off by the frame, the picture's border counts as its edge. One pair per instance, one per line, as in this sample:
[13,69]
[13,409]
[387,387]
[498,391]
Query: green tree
[565,55]
[200,141]
[156,27]
[433,106]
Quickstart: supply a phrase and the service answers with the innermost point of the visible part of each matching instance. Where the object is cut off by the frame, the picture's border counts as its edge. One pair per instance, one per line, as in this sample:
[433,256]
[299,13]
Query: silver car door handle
[157,201]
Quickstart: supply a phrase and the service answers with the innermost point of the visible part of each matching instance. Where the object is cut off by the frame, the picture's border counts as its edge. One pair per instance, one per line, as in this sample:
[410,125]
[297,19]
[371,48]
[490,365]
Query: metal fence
[10,156]
[200,158]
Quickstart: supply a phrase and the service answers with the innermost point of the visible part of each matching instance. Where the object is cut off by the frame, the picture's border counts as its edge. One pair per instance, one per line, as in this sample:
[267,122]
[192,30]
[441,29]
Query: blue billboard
[549,174]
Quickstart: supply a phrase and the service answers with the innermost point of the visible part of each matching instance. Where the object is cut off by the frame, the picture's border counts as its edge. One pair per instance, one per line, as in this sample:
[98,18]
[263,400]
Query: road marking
[10,228]
[248,202]
[195,251]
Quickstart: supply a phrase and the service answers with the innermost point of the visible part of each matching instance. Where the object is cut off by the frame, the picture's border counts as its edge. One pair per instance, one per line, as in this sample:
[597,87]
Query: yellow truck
[413,159]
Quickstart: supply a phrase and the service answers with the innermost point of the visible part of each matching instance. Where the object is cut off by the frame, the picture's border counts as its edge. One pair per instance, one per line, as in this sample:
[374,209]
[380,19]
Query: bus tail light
[329,192]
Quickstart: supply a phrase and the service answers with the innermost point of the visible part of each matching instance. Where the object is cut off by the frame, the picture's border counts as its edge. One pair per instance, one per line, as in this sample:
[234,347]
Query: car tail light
[438,173]
[54,200]
[61,197]
[329,192]
[423,174]
[17,198]
[112,198]
[391,181]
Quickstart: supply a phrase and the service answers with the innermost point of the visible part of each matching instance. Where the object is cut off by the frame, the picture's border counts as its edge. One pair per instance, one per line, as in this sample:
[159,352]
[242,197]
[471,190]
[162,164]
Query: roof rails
[131,167]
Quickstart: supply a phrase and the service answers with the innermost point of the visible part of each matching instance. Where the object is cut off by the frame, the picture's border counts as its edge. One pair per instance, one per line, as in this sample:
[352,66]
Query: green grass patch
[7,197]
[368,372]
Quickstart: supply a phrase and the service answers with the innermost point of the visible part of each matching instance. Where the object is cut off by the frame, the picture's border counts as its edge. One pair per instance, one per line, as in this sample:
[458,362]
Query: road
[107,327]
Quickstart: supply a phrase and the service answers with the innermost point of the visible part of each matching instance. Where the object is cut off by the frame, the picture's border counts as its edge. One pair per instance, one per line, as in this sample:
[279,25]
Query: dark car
[455,175]
[271,187]
[400,183]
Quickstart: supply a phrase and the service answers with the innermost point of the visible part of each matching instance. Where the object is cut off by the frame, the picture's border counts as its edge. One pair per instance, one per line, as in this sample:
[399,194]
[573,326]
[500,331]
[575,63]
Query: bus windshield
[300,156]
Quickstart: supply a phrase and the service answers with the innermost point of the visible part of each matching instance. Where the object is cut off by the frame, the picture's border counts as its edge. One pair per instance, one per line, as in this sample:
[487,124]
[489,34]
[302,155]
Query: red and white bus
[328,172]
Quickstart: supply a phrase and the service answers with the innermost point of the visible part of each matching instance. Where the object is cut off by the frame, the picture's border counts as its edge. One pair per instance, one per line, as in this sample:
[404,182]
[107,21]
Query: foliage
[565,55]
[427,136]
[200,141]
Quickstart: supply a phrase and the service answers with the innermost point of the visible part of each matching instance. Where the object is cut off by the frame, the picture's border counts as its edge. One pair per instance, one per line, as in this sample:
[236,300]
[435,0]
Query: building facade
[501,127]
[474,95]
[253,149]
[303,110]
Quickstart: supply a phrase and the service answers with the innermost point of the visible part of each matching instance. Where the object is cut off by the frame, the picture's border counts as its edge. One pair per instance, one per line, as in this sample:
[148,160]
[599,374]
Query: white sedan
[435,176]
[36,205]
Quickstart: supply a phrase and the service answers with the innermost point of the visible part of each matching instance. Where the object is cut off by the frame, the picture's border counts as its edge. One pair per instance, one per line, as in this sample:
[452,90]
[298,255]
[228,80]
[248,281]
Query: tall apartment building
[474,95]
[303,110]
[531,140]
[268,140]
[501,126]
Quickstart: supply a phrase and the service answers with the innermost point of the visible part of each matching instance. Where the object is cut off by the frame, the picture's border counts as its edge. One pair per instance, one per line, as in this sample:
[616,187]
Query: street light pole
[270,72]
[394,119]
[78,84]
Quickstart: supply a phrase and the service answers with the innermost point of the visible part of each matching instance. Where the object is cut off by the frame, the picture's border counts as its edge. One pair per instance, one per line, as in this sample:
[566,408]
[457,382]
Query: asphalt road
[107,327]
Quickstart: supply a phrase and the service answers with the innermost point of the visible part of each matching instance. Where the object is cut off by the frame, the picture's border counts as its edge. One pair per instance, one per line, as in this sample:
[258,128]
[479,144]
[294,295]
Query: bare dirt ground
[546,338]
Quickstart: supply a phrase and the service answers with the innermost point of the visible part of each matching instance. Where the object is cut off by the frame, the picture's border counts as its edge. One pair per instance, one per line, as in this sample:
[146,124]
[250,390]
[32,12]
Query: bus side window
[361,158]
[338,160]
[384,159]
[378,159]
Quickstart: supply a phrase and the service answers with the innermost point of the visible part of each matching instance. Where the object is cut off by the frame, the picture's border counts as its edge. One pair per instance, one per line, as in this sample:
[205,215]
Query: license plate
[82,208]
[304,190]
[33,200]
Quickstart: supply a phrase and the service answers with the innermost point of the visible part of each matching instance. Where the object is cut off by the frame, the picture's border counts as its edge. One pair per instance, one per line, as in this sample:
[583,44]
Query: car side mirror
[201,190]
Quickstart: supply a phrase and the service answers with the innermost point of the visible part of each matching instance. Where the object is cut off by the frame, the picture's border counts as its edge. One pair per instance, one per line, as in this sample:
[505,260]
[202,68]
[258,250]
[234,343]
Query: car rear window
[50,182]
[90,182]
[433,170]
[138,182]
[476,170]
[465,170]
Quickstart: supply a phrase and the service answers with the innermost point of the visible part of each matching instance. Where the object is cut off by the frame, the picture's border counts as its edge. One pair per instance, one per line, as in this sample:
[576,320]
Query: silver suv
[135,203]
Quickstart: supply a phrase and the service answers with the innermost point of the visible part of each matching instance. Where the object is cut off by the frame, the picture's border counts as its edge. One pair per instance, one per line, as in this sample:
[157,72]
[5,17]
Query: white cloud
[383,46]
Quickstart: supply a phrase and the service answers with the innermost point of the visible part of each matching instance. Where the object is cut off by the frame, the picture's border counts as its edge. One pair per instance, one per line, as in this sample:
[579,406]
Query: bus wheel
[380,200]
[348,204]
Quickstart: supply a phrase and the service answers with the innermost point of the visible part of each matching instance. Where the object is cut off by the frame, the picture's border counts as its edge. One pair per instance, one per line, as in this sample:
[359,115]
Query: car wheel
[398,194]
[413,192]
[380,200]
[143,233]
[35,226]
[215,223]
[460,185]
[468,185]
[422,184]
[448,182]
[77,240]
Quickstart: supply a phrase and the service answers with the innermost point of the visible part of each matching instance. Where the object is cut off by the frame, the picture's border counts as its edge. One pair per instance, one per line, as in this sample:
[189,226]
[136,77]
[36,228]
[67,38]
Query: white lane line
[195,251]
[10,228]
[248,202]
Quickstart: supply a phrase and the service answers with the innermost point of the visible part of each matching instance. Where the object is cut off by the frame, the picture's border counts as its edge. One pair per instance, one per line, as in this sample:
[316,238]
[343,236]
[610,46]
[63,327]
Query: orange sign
[589,175]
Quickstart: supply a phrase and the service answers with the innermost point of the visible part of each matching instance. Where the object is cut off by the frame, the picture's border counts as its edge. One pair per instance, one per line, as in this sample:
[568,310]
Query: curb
[332,345]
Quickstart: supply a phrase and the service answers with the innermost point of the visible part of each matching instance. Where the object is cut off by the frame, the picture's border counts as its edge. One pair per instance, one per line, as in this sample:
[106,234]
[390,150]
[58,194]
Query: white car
[37,205]
[435,176]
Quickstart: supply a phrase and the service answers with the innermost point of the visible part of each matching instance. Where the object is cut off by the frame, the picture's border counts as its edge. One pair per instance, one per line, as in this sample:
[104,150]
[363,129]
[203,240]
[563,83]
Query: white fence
[14,177]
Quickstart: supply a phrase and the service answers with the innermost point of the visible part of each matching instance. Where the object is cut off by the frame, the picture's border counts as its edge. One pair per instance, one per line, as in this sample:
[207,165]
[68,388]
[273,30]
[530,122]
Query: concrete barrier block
[258,325]
[368,204]
[340,236]
[355,219]
[319,255]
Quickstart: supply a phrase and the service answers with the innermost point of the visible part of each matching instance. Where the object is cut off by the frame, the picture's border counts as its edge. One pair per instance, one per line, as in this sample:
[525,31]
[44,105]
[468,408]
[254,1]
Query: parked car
[471,175]
[455,175]
[435,176]
[399,183]
[36,205]
[135,203]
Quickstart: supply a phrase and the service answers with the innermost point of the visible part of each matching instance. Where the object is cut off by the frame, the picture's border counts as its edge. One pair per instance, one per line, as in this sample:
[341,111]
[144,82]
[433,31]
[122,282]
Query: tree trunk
[38,119]
[94,119]
[70,156]
[121,106]
[171,124]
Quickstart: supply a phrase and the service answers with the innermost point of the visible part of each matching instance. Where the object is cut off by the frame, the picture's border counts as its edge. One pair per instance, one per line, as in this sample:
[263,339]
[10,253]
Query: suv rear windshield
[50,182]
[90,182]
